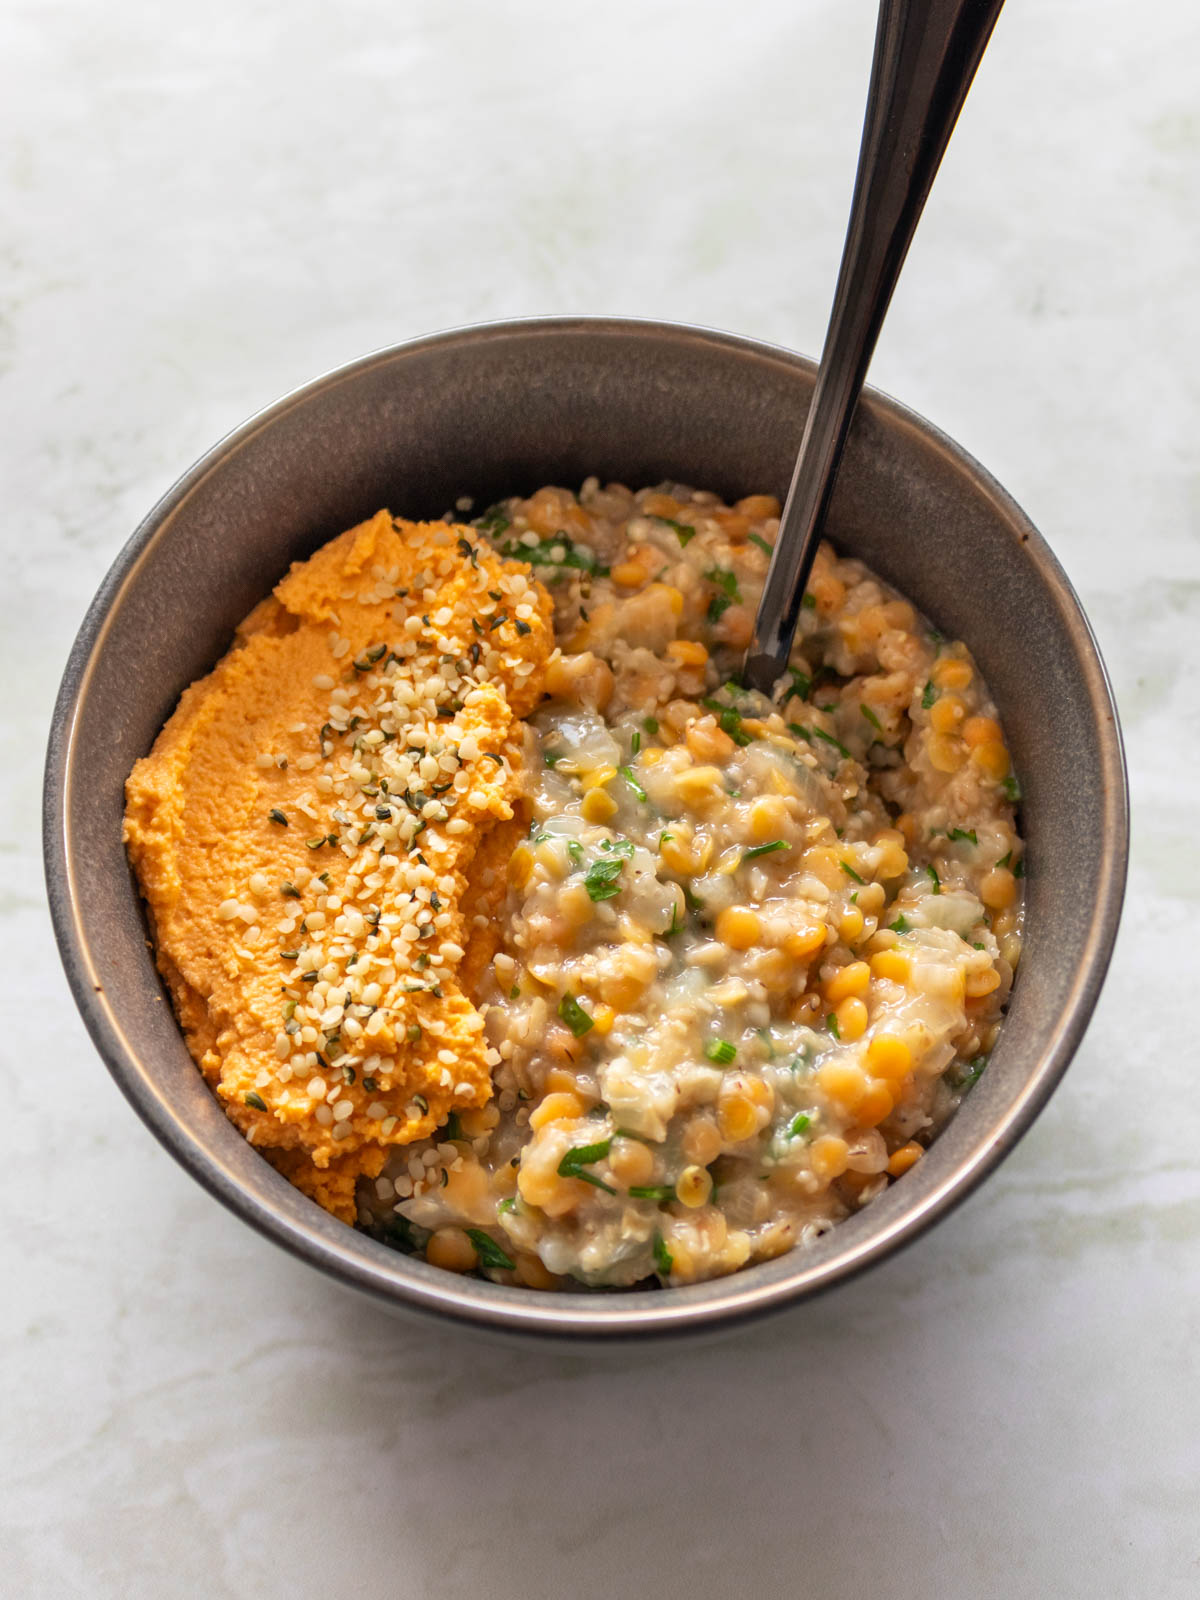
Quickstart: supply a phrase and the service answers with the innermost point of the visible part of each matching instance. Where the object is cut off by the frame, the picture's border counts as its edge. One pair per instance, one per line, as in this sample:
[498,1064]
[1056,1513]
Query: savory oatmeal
[752,952]
[509,926]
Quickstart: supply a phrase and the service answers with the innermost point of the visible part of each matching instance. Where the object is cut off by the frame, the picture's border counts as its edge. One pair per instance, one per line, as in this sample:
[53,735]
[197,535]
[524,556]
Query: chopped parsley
[575,1017]
[934,879]
[493,522]
[730,722]
[968,834]
[650,724]
[726,582]
[601,877]
[968,1079]
[831,1022]
[1011,788]
[901,925]
[488,1251]
[556,552]
[684,530]
[583,1155]
[801,683]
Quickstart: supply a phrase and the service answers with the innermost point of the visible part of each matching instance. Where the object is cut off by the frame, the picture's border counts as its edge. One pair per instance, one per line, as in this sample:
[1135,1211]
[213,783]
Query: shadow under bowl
[502,409]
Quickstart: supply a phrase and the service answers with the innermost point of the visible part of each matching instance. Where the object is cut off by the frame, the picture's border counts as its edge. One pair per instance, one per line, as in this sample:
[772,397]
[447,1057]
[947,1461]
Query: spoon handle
[926,53]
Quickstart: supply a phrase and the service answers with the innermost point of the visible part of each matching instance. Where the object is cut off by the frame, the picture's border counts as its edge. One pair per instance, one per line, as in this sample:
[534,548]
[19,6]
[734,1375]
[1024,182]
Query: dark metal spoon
[926,53]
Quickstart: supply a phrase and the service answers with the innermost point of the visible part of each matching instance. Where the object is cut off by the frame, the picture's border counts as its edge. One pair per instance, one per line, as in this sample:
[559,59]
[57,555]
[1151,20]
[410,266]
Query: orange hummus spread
[320,833]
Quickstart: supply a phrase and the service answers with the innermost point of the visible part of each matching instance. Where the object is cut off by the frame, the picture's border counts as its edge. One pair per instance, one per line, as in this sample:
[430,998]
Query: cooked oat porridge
[748,954]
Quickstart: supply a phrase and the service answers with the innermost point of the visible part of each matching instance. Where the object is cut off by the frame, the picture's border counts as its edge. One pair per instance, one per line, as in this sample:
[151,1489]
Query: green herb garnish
[653,1191]
[831,1022]
[600,881]
[727,583]
[650,724]
[971,1077]
[801,682]
[929,696]
[684,530]
[1012,788]
[488,1251]
[627,774]
[730,721]
[575,1017]
[968,834]
[871,717]
[757,538]
[764,849]
[720,1051]
[663,1259]
[934,879]
[901,925]
[829,739]
[797,1125]
[850,872]
[583,1155]
[556,552]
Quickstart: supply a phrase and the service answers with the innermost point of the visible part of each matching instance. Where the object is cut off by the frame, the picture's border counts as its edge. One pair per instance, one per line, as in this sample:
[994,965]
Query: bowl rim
[598,1319]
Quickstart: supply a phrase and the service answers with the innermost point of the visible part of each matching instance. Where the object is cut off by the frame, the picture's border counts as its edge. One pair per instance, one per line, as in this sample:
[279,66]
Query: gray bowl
[503,408]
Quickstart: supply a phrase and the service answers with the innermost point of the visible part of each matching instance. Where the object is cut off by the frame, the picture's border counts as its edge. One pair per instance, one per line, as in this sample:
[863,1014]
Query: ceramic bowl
[501,409]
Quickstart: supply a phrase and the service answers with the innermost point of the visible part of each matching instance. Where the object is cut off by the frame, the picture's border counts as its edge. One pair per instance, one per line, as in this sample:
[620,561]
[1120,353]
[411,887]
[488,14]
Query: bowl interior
[503,409]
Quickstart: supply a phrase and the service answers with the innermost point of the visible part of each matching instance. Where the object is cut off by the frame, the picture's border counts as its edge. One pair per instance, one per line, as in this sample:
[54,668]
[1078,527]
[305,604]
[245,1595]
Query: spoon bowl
[502,409]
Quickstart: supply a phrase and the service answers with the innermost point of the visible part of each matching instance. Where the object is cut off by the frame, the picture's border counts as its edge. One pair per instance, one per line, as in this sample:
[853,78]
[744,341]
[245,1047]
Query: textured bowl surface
[502,409]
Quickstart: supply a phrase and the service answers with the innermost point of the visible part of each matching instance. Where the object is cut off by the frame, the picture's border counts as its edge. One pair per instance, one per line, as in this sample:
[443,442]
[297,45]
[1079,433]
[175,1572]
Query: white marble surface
[203,206]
